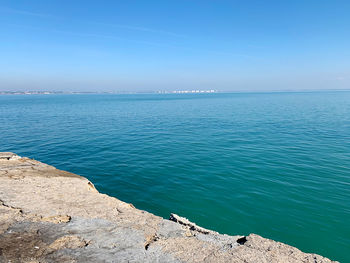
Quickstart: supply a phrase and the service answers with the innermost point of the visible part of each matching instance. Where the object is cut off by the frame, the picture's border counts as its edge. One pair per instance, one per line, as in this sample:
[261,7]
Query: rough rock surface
[49,215]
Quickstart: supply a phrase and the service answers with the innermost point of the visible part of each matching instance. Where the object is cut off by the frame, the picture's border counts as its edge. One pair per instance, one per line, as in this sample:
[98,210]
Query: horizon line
[162,92]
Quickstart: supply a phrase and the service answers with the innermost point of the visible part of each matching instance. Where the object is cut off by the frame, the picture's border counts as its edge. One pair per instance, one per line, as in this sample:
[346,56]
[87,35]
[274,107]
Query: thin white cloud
[138,28]
[340,78]
[255,46]
[92,35]
[111,37]
[153,43]
[150,43]
[22,12]
[128,27]
[158,44]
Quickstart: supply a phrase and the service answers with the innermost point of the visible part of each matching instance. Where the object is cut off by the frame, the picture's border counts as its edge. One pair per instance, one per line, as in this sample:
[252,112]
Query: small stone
[188,233]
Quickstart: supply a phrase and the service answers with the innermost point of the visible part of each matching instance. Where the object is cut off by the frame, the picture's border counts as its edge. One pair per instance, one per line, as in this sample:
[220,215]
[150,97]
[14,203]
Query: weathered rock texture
[48,215]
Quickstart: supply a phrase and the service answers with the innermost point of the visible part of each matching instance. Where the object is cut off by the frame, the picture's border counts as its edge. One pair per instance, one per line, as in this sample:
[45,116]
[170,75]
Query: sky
[243,45]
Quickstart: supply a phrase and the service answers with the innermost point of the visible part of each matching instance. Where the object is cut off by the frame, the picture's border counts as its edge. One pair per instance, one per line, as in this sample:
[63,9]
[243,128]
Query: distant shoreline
[177,92]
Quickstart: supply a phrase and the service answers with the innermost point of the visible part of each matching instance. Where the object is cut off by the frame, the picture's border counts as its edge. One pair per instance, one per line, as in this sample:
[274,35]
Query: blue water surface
[274,164]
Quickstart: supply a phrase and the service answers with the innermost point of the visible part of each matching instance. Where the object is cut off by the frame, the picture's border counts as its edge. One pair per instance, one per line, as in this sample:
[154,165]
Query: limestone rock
[48,215]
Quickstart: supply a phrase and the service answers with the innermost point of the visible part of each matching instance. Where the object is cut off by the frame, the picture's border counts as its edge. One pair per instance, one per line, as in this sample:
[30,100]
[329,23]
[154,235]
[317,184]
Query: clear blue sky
[172,45]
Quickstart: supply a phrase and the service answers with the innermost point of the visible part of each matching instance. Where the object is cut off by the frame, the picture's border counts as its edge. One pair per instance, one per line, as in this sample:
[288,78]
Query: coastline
[49,215]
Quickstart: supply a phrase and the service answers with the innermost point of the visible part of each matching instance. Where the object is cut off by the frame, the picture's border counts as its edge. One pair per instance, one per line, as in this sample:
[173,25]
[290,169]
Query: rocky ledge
[49,215]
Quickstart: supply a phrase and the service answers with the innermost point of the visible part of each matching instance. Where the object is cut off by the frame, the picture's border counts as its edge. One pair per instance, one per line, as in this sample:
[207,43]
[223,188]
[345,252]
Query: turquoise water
[275,164]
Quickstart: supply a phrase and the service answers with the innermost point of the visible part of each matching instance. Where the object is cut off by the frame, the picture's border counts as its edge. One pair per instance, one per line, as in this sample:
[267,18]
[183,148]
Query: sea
[275,164]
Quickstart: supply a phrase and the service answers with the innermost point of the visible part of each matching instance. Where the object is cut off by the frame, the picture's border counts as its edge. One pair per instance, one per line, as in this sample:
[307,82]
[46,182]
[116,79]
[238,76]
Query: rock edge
[49,215]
